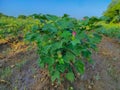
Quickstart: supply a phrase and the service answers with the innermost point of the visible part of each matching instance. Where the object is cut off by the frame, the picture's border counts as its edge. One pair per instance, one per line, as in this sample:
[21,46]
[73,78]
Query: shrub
[64,45]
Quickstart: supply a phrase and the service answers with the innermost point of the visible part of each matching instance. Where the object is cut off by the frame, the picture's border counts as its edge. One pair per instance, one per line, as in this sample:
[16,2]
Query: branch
[74,70]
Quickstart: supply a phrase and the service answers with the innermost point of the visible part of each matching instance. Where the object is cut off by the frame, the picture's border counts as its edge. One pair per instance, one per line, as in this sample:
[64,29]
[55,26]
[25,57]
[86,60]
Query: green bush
[64,45]
[111,30]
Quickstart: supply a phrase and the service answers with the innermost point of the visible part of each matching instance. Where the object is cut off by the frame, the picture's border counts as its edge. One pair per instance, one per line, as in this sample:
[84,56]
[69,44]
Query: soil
[19,69]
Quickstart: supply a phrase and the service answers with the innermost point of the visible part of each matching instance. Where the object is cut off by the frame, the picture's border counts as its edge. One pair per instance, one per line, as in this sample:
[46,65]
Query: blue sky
[75,8]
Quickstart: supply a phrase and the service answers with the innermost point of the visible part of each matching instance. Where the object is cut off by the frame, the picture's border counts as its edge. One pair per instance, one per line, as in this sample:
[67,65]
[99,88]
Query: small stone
[34,76]
[89,87]
[12,66]
[55,86]
[52,84]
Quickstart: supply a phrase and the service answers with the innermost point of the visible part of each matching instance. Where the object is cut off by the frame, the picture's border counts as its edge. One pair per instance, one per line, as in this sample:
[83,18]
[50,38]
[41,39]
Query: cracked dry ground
[19,69]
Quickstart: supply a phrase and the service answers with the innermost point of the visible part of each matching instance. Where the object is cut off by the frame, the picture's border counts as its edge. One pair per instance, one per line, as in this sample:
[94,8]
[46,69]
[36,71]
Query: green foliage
[70,76]
[113,11]
[106,19]
[63,44]
[80,66]
[11,27]
[6,72]
[111,30]
[22,17]
[55,75]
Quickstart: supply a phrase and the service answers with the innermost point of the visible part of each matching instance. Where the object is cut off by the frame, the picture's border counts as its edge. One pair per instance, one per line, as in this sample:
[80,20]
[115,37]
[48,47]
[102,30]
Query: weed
[6,72]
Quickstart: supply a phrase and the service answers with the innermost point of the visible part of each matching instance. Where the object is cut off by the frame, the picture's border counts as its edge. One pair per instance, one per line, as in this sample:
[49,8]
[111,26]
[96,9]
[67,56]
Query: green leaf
[40,63]
[47,48]
[49,27]
[61,67]
[82,35]
[34,28]
[69,57]
[66,34]
[86,53]
[75,41]
[56,75]
[47,60]
[51,17]
[80,66]
[62,23]
[70,76]
[61,61]
[56,45]
[31,36]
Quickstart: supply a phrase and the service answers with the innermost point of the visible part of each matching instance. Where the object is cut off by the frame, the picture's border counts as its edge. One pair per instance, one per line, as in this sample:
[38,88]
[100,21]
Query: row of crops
[11,27]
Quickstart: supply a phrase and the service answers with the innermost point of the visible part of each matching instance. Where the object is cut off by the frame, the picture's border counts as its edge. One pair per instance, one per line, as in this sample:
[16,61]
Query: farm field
[19,67]
[52,52]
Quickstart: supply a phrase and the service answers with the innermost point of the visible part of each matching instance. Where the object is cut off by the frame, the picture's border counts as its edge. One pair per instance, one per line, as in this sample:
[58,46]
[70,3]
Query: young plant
[63,46]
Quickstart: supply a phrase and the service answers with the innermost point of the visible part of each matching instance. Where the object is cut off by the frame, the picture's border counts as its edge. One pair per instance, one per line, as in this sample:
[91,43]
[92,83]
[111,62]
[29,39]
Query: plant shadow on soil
[19,69]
